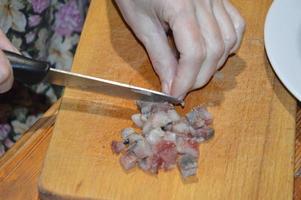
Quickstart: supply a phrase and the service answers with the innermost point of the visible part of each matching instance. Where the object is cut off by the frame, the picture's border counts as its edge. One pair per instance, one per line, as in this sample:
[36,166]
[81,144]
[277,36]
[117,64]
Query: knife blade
[30,71]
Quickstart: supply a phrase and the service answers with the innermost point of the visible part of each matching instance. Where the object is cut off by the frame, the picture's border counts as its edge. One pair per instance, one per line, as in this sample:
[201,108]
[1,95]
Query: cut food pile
[166,140]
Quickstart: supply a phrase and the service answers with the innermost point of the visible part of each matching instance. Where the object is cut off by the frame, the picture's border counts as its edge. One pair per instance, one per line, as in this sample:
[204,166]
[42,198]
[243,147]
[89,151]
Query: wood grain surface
[21,165]
[298,141]
[250,157]
[19,181]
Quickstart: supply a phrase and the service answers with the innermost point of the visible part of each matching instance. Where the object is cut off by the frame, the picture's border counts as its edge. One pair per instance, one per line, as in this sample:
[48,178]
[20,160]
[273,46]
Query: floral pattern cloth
[41,29]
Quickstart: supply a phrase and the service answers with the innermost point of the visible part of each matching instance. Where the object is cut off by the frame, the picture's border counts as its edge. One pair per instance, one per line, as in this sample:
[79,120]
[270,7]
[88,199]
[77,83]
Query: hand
[205,33]
[6,73]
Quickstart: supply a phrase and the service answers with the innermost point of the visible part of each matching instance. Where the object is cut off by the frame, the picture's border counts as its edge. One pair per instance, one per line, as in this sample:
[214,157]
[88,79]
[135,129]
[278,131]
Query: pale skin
[205,33]
[6,74]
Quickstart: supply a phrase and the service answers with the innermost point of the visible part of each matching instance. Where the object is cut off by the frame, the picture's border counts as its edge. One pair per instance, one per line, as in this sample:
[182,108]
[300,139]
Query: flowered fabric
[41,29]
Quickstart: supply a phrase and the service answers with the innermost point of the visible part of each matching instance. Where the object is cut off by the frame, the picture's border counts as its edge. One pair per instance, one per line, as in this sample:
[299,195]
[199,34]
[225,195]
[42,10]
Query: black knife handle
[27,70]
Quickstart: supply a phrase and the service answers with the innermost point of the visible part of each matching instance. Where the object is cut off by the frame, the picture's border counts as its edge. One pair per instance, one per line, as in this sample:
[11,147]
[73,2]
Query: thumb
[6,73]
[161,55]
[149,30]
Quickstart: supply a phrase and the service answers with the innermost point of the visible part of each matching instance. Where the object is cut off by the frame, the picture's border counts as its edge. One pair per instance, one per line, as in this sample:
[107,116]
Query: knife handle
[27,70]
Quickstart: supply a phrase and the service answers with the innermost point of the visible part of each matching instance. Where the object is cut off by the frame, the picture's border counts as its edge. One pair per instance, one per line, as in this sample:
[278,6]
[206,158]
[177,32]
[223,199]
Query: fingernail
[165,88]
[181,97]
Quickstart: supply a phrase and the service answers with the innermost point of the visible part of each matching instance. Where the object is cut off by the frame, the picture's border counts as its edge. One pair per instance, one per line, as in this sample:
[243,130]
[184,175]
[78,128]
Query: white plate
[282,35]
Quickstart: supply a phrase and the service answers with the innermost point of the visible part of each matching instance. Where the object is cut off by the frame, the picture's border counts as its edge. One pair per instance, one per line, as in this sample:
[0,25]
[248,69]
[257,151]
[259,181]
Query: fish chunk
[166,139]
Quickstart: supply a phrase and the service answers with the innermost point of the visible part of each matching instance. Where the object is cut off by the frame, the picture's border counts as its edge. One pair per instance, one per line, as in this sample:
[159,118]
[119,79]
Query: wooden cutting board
[250,157]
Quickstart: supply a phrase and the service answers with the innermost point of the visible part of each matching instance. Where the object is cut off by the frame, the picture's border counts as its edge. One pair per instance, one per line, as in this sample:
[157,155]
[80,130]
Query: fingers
[221,33]
[192,50]
[6,74]
[238,21]
[214,42]
[227,29]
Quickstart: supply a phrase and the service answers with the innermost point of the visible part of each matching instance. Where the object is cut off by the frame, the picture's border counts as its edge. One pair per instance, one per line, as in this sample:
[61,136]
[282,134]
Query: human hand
[205,33]
[6,73]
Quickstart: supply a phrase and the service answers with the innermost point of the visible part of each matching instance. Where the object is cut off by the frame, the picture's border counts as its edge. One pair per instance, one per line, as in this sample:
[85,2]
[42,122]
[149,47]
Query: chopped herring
[166,139]
[188,165]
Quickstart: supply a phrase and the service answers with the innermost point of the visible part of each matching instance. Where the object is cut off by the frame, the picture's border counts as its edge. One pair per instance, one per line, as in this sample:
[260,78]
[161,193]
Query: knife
[30,71]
